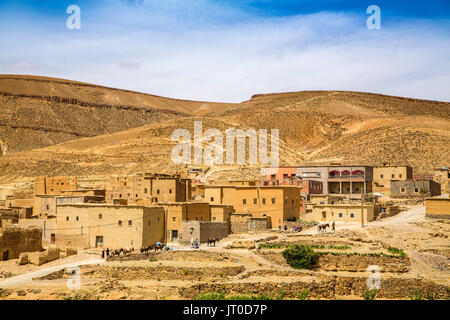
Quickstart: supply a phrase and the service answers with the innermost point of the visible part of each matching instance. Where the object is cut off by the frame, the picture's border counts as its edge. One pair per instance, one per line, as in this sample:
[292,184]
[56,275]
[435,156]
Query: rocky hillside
[91,130]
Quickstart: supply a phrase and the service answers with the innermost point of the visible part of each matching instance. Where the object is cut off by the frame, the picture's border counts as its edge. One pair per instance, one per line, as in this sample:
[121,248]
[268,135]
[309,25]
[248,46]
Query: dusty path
[23,279]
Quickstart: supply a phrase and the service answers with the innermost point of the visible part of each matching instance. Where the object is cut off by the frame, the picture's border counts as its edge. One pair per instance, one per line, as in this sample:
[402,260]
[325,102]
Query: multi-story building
[442,176]
[53,185]
[280,203]
[151,188]
[341,180]
[382,176]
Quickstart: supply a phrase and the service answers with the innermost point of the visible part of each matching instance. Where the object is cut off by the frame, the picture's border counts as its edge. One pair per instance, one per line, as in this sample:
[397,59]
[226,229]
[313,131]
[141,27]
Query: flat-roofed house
[108,226]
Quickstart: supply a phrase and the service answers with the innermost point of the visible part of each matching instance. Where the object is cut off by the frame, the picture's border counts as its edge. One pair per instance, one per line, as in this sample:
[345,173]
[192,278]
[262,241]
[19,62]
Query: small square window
[130,222]
[340,215]
[174,219]
[273,200]
[352,215]
[255,201]
[212,198]
[120,222]
[264,201]
[244,201]
[67,218]
[170,190]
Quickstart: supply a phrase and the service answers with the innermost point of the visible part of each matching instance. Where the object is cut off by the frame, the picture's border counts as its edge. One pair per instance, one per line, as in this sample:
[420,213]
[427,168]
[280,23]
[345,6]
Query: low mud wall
[394,288]
[153,272]
[350,262]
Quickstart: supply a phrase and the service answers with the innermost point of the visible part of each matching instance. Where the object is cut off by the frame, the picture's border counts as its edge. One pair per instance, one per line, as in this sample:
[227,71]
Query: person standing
[333,226]
[192,243]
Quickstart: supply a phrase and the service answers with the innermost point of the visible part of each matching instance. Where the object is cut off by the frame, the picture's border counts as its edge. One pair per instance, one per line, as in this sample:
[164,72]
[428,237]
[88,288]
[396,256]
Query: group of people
[195,244]
[294,228]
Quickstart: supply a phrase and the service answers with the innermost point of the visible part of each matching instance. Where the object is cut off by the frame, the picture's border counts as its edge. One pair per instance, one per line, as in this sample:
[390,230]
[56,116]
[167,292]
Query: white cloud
[218,53]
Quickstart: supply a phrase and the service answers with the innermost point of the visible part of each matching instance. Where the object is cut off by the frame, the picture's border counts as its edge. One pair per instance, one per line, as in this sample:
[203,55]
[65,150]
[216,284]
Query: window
[393,175]
[145,190]
[264,201]
[416,190]
[273,200]
[130,222]
[120,222]
[272,176]
[212,198]
[340,215]
[67,218]
[78,218]
[381,176]
[47,207]
[402,190]
[285,176]
[214,219]
[400,175]
[201,218]
[255,201]
[244,201]
[352,215]
[148,222]
[100,216]
[170,190]
[157,191]
[174,218]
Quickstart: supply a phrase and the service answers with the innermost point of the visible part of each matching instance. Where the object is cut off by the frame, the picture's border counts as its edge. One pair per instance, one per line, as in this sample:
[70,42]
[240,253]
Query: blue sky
[228,50]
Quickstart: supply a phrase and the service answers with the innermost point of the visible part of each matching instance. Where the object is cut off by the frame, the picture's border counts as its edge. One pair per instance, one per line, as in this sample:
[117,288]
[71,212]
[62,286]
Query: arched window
[100,216]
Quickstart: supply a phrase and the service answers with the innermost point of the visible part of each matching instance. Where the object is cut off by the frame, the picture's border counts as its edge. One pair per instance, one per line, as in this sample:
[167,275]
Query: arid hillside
[65,127]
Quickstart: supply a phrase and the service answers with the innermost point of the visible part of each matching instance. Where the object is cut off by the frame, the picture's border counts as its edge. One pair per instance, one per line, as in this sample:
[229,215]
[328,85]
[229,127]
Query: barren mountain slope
[38,112]
[315,127]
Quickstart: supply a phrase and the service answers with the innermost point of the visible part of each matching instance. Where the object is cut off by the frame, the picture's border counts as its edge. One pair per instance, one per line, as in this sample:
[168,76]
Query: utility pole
[362,208]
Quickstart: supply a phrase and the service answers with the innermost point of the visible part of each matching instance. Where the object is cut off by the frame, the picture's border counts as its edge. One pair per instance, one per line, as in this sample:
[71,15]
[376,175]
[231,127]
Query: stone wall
[203,230]
[15,240]
[250,224]
[331,287]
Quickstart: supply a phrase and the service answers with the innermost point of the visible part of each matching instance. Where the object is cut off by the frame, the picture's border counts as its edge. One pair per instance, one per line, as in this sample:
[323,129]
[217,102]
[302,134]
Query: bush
[301,257]
[369,294]
[211,296]
[303,295]
[400,252]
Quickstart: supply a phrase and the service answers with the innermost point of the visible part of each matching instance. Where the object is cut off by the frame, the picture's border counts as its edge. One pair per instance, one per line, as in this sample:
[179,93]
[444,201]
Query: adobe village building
[15,240]
[415,188]
[279,203]
[437,208]
[108,226]
[383,177]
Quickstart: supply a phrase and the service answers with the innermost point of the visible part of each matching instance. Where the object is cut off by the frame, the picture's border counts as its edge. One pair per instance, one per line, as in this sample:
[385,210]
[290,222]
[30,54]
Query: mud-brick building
[54,185]
[178,212]
[149,188]
[437,207]
[280,203]
[15,240]
[46,206]
[347,212]
[382,177]
[415,188]
[442,176]
[108,226]
[203,231]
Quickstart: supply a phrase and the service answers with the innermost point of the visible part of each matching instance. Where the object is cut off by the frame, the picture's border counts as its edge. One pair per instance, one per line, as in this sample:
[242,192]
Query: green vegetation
[367,254]
[369,294]
[339,247]
[304,295]
[222,296]
[397,251]
[152,259]
[270,246]
[417,295]
[186,271]
[301,257]
[280,295]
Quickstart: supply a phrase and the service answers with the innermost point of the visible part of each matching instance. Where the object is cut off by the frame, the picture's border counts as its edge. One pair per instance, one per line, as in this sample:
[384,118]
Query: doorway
[99,241]
[53,238]
[324,216]
[5,255]
[174,235]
